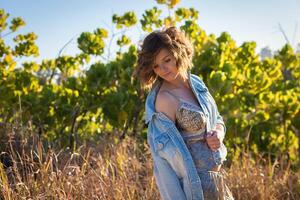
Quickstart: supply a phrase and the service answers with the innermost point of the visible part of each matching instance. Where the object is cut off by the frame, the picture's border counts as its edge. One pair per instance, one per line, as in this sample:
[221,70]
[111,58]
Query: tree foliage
[68,98]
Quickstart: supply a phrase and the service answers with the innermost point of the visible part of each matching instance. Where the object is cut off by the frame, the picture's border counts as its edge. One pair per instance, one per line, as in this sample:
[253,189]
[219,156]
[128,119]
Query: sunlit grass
[123,171]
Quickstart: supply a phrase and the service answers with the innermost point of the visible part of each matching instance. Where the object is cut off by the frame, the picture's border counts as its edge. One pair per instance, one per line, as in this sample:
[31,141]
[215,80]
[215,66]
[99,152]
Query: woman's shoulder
[165,97]
[166,103]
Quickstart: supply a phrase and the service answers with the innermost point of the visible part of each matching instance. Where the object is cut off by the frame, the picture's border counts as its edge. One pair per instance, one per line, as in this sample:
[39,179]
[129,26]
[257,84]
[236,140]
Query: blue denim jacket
[174,169]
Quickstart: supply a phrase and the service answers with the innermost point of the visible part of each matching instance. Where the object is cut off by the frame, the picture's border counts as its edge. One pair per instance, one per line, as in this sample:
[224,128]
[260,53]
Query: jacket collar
[195,83]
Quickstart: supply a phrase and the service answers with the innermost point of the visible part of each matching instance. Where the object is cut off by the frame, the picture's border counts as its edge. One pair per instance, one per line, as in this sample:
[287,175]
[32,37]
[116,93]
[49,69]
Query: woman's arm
[217,134]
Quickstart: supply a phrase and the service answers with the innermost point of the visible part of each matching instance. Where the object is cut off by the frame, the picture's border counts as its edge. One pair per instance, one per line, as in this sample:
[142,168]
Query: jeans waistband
[193,137]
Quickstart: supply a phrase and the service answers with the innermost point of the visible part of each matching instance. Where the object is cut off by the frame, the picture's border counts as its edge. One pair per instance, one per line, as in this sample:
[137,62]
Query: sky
[58,21]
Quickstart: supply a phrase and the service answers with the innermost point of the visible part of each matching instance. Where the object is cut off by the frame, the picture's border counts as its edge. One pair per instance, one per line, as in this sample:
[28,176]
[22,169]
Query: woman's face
[165,65]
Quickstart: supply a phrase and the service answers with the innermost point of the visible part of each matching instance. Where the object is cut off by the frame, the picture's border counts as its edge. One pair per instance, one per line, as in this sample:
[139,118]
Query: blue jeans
[213,186]
[212,182]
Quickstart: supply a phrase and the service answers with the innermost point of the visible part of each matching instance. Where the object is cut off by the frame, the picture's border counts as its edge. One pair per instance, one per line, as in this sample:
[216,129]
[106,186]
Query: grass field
[123,171]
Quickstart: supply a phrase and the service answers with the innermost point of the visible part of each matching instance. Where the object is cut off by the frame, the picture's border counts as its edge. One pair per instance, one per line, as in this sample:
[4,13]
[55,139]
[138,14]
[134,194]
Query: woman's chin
[170,78]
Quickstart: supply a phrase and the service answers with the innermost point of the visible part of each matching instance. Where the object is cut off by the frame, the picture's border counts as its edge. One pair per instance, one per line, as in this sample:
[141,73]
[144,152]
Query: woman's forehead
[162,54]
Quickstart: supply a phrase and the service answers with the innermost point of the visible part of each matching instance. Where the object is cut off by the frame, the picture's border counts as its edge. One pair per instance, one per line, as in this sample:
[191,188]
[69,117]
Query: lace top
[190,120]
[189,117]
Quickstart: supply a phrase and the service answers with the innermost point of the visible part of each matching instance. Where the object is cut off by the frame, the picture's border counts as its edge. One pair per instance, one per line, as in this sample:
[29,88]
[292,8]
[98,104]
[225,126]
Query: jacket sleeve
[167,181]
[166,178]
[220,121]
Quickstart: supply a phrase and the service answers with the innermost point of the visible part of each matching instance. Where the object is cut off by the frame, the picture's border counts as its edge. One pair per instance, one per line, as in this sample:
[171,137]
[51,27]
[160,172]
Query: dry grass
[120,171]
[123,171]
[261,179]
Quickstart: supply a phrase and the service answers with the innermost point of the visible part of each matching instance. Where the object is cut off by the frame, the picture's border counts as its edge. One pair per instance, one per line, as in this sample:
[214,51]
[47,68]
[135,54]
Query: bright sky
[57,21]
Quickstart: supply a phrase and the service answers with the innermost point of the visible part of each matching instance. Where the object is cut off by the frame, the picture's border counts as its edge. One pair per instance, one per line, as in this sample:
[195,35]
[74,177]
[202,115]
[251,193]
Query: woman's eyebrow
[166,56]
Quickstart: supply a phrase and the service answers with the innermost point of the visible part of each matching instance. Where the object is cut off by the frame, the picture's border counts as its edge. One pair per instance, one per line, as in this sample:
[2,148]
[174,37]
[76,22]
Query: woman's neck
[177,83]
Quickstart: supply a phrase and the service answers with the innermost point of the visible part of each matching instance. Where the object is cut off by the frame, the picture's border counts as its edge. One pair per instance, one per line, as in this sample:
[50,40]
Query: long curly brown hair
[170,38]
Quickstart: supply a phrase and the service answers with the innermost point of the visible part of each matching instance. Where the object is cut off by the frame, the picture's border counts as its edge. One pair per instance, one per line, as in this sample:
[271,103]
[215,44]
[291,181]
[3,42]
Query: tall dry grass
[122,171]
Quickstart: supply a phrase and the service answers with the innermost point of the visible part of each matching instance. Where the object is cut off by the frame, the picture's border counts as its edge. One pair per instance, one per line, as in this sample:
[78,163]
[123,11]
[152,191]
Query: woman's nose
[163,67]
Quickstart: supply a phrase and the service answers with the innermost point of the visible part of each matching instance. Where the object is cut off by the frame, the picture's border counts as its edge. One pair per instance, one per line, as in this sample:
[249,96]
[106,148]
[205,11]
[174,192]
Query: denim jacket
[174,169]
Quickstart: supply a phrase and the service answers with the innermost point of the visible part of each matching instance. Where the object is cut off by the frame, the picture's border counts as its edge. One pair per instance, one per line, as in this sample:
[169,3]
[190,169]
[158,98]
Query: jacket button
[160,145]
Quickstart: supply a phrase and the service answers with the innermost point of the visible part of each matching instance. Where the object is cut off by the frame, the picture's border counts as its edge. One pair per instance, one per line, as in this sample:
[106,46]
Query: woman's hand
[215,137]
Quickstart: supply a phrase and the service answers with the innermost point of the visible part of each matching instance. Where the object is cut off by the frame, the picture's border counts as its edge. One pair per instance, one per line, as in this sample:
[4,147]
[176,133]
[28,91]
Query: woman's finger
[214,146]
[213,140]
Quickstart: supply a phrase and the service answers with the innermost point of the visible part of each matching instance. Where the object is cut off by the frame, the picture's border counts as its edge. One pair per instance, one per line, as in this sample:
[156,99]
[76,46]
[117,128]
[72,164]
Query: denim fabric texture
[178,174]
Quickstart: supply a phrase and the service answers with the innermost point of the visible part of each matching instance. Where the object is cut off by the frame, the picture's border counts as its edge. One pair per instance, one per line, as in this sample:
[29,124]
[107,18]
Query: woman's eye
[168,60]
[155,66]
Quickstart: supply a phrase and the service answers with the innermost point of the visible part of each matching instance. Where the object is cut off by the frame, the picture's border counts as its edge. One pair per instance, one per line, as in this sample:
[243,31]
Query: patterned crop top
[190,120]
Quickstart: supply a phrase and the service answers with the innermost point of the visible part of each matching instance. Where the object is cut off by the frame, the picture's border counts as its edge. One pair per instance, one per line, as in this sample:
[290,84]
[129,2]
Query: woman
[185,129]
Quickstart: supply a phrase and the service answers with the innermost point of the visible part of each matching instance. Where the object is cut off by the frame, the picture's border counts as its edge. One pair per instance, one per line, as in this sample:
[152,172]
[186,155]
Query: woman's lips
[167,74]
